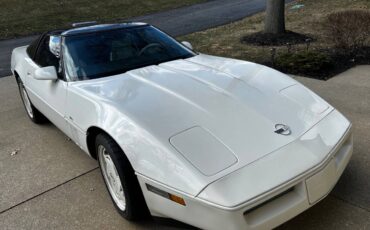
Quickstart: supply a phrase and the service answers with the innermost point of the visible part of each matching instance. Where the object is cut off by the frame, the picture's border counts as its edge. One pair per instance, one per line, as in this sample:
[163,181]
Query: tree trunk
[275,22]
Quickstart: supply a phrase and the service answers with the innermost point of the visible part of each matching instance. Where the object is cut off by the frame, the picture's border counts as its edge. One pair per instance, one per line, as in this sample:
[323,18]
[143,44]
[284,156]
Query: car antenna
[80,24]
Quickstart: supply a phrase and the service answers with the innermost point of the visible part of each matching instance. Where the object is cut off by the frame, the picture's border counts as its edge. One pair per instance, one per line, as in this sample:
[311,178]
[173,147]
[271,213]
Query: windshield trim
[82,33]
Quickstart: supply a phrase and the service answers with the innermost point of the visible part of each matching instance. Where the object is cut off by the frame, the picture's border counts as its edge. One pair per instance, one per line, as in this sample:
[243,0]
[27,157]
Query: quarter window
[44,57]
[31,49]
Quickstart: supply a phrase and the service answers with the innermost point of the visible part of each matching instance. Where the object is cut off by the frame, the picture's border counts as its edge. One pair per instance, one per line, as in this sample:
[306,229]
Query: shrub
[311,63]
[349,30]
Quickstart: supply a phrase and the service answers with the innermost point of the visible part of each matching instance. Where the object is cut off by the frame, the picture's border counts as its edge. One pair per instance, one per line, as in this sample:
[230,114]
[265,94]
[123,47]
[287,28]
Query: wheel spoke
[112,178]
[26,101]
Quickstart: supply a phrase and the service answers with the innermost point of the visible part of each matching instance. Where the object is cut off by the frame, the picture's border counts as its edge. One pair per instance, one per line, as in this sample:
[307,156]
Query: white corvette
[213,142]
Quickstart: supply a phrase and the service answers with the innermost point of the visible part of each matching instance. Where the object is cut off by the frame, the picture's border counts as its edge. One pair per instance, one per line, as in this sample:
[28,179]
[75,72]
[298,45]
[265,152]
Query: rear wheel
[120,179]
[35,115]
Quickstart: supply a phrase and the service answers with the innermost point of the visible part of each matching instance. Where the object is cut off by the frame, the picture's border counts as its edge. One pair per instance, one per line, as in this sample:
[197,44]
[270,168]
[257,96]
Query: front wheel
[120,179]
[35,115]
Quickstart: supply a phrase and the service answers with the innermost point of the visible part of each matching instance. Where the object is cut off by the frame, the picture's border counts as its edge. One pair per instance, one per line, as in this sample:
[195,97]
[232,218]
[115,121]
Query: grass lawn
[24,17]
[225,40]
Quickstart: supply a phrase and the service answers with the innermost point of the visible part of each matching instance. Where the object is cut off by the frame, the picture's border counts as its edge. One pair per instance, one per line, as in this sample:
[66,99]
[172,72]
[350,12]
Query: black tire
[34,114]
[136,208]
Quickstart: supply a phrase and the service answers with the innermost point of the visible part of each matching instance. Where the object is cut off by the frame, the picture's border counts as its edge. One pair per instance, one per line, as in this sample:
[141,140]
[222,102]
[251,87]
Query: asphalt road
[176,22]
[51,184]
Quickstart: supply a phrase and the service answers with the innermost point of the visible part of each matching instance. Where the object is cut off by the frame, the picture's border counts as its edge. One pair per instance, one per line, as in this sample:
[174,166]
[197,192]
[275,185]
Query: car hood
[217,113]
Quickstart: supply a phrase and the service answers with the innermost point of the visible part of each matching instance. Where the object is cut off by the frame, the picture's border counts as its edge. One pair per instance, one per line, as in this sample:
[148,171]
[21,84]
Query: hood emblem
[282,129]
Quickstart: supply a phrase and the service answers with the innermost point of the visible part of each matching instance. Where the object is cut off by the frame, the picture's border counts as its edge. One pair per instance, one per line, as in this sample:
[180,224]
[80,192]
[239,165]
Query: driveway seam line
[48,190]
[350,203]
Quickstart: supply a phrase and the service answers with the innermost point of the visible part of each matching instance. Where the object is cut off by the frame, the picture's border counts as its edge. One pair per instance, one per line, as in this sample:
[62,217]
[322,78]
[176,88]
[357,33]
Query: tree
[275,22]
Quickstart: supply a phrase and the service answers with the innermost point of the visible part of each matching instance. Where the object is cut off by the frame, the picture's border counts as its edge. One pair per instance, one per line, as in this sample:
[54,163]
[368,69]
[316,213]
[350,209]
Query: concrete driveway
[51,184]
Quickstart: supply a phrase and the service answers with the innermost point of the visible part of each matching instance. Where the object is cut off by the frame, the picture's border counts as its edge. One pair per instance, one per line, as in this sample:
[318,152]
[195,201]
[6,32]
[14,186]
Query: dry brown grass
[225,40]
[350,29]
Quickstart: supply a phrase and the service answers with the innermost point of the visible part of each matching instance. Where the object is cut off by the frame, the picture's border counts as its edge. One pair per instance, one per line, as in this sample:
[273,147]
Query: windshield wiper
[173,59]
[124,70]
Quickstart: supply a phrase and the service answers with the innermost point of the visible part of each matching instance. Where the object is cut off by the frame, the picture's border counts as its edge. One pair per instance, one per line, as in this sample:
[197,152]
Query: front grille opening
[269,200]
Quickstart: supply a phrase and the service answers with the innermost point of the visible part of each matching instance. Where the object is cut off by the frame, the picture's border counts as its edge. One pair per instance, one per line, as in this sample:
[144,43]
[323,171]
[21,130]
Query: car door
[48,96]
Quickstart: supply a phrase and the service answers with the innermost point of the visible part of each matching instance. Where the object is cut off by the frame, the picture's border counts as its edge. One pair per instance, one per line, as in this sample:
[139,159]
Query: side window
[44,57]
[31,49]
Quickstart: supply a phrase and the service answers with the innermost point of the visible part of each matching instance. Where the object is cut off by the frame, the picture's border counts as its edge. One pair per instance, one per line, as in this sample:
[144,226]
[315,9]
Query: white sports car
[213,142]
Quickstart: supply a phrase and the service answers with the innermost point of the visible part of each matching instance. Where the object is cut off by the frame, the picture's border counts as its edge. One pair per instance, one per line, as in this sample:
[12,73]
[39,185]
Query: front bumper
[269,208]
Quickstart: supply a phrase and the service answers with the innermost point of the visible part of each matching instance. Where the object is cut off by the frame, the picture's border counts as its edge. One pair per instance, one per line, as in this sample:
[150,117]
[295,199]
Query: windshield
[104,53]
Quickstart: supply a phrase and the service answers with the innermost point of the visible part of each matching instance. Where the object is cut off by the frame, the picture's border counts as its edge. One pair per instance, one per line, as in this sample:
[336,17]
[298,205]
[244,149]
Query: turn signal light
[177,199]
[167,195]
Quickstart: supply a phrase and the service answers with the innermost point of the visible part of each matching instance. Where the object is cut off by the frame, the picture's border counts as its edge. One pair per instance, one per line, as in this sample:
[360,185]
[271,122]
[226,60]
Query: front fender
[18,62]
[149,156]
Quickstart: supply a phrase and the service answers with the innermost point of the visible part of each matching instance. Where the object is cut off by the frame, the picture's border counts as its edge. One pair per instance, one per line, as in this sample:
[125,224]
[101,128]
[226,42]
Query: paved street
[51,184]
[176,22]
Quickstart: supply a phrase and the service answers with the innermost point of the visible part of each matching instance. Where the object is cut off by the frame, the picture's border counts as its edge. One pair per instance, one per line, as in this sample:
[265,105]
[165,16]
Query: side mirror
[46,73]
[187,44]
